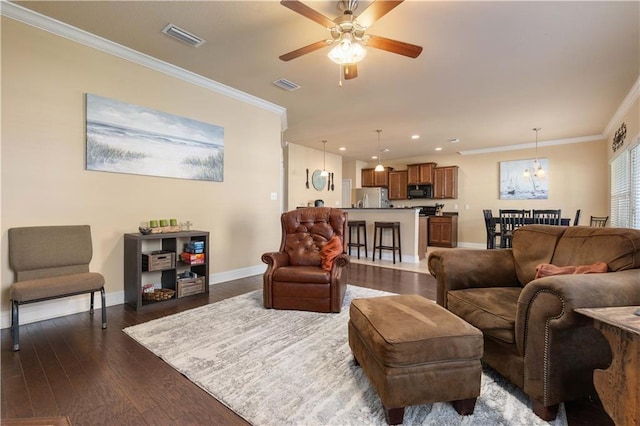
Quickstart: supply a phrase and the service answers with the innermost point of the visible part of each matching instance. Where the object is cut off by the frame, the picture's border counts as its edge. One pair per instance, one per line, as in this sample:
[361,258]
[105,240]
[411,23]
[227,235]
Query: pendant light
[324,163]
[379,167]
[538,171]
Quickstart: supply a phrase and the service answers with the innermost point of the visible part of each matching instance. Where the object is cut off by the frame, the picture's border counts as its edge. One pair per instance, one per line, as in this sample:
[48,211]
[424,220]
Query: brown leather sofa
[295,277]
[532,336]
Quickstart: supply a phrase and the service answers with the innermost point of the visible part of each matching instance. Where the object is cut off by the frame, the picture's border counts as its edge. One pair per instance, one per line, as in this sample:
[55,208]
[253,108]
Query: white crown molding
[555,142]
[624,107]
[61,29]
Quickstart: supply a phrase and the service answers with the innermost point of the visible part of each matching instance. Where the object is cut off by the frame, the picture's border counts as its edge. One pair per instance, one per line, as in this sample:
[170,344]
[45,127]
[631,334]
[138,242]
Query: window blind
[620,190]
[635,187]
[625,188]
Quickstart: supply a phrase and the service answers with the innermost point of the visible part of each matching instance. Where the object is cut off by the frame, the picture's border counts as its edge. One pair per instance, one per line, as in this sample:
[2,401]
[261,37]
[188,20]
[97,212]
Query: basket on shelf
[158,294]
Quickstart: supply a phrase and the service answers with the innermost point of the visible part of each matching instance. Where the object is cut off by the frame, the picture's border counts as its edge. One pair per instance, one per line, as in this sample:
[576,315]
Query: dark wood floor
[70,366]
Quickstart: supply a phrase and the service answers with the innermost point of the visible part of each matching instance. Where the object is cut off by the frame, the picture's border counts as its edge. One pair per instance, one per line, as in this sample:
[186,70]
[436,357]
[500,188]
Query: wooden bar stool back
[395,238]
[357,225]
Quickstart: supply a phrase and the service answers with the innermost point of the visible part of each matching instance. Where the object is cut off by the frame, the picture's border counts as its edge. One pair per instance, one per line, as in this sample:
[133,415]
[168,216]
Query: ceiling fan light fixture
[347,51]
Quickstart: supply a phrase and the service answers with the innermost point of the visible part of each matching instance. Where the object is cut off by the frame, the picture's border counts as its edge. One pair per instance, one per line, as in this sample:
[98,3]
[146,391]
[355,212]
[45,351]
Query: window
[625,188]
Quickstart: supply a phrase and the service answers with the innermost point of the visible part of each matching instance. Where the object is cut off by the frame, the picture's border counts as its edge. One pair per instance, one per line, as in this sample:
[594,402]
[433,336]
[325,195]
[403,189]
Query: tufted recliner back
[305,231]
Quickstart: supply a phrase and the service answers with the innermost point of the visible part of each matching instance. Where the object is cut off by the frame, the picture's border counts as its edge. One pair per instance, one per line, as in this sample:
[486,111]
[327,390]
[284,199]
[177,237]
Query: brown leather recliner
[294,278]
[532,336]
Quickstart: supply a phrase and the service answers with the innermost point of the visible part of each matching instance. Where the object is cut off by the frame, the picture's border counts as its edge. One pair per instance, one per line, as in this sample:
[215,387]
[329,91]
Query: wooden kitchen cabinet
[445,182]
[371,178]
[443,231]
[398,185]
[420,174]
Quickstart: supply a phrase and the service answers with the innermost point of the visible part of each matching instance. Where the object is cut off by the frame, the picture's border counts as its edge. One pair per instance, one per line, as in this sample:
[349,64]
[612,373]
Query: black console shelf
[134,277]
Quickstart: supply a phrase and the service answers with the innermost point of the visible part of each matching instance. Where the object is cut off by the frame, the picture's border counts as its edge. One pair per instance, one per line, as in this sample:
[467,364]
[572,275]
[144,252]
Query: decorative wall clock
[618,138]
[318,180]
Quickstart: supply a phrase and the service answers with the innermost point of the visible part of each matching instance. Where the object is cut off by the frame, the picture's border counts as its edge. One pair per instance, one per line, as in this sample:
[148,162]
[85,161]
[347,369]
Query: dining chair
[547,217]
[490,226]
[510,220]
[599,221]
[576,220]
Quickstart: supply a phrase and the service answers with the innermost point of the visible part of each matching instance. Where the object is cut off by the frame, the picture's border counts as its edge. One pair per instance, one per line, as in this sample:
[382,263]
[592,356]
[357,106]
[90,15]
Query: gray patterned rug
[289,367]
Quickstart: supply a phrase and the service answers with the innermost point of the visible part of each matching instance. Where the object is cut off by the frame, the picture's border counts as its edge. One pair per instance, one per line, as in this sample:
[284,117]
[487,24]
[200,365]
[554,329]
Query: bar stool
[356,225]
[395,235]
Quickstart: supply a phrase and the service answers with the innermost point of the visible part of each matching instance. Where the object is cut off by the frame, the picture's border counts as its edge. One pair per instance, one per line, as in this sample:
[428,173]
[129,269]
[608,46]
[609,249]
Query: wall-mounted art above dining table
[524,179]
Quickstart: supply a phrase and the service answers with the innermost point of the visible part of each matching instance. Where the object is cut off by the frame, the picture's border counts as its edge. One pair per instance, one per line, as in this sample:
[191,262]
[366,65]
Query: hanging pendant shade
[379,167]
[324,161]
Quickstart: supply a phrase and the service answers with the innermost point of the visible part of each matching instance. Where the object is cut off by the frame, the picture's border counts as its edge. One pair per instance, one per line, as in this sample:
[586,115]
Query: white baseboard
[55,308]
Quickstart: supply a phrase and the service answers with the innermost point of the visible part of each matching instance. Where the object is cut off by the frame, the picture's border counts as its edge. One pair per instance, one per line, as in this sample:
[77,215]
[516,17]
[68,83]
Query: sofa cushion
[582,245]
[533,245]
[491,309]
[302,274]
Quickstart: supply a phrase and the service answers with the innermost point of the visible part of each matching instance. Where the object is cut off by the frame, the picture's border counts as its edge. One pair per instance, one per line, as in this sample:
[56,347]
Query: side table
[619,385]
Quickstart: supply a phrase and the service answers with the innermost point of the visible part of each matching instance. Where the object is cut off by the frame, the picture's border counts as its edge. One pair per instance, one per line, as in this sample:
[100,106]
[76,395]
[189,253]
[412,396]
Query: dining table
[494,224]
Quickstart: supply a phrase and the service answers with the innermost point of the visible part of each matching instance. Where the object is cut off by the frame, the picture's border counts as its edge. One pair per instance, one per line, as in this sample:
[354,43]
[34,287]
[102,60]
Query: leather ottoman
[415,352]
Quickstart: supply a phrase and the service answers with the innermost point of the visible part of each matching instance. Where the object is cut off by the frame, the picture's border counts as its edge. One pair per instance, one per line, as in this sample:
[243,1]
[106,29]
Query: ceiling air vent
[183,35]
[287,85]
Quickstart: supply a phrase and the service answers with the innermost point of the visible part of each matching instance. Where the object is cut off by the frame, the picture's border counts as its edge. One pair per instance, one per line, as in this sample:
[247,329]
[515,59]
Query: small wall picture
[524,179]
[125,138]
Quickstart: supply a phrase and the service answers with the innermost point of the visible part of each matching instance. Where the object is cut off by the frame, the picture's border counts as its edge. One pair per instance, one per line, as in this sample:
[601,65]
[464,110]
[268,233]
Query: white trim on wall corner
[532,145]
[624,107]
[29,17]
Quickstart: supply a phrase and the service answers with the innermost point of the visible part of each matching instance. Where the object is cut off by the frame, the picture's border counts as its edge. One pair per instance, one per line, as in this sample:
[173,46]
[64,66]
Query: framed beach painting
[126,138]
[524,179]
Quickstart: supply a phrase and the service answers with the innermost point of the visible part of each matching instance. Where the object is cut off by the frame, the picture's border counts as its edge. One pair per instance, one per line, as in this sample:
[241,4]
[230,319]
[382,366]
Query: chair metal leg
[104,308]
[91,304]
[15,325]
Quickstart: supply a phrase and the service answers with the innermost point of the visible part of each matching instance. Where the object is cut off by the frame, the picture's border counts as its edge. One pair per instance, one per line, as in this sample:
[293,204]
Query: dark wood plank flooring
[69,366]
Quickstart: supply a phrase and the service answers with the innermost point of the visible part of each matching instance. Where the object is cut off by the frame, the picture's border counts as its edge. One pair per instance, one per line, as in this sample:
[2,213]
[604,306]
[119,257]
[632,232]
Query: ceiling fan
[348,34]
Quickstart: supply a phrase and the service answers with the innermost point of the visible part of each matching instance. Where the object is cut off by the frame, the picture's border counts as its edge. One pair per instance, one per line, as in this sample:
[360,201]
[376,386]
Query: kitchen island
[413,230]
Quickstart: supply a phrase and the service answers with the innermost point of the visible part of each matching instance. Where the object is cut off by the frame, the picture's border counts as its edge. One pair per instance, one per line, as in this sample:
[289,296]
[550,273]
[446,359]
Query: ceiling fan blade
[375,11]
[307,12]
[394,46]
[303,50]
[350,71]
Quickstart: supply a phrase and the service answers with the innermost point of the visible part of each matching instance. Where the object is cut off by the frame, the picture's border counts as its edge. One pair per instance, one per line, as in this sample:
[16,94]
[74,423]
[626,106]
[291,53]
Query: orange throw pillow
[547,269]
[330,251]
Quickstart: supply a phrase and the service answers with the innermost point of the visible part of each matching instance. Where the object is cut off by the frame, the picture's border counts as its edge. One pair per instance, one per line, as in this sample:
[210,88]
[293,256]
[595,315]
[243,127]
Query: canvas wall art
[126,138]
[515,184]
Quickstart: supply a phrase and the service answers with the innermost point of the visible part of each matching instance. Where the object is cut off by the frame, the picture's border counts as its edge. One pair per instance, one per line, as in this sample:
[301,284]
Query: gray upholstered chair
[51,262]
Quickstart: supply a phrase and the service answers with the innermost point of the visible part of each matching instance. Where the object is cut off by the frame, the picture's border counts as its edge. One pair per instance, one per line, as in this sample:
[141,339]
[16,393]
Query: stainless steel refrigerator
[372,198]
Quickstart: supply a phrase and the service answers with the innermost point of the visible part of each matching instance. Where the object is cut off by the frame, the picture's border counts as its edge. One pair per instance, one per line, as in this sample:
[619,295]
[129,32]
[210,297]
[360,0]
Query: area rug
[277,367]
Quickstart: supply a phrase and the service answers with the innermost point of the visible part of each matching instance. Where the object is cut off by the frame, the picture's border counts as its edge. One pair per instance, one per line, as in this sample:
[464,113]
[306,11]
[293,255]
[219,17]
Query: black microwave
[419,191]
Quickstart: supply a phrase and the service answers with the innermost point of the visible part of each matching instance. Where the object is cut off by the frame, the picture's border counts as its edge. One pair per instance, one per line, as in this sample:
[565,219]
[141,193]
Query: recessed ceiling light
[438,148]
[342,148]
[385,150]
[415,137]
[374,157]
[454,140]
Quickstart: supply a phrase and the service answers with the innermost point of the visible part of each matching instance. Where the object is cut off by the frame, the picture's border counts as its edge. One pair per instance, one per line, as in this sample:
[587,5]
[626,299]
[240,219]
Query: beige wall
[298,159]
[44,82]
[578,179]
